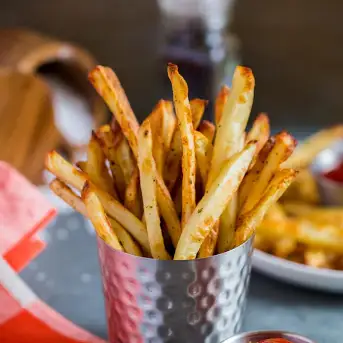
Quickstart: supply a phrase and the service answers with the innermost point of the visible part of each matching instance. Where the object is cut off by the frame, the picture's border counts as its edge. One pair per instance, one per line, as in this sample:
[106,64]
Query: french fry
[197,109]
[228,138]
[260,131]
[107,84]
[213,203]
[221,100]
[178,200]
[253,174]
[282,149]
[125,158]
[248,222]
[304,188]
[98,217]
[133,200]
[284,247]
[64,171]
[207,129]
[317,258]
[162,121]
[308,150]
[173,161]
[203,153]
[107,139]
[147,170]
[66,194]
[96,167]
[184,115]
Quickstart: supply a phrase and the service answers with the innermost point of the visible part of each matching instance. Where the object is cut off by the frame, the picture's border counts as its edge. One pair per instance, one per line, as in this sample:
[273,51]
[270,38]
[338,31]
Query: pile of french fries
[176,186]
[298,228]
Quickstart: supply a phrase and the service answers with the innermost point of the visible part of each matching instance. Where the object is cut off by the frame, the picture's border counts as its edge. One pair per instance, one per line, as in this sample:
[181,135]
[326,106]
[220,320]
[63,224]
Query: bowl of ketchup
[327,169]
[268,337]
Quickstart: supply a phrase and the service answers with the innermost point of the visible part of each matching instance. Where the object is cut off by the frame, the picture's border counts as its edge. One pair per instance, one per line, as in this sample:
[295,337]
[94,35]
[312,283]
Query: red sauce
[275,340]
[335,174]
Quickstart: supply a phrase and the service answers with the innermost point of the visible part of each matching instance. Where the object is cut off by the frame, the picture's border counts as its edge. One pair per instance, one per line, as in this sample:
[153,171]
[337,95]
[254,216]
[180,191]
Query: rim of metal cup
[247,336]
[247,242]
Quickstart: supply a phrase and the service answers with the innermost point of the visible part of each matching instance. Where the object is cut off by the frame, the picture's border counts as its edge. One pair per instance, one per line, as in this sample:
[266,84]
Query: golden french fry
[64,171]
[283,147]
[67,195]
[308,150]
[147,170]
[284,246]
[96,167]
[197,109]
[317,258]
[107,84]
[173,161]
[304,189]
[108,143]
[253,174]
[213,203]
[203,153]
[98,217]
[221,100]
[207,129]
[229,133]
[276,213]
[248,222]
[184,115]
[133,200]
[260,131]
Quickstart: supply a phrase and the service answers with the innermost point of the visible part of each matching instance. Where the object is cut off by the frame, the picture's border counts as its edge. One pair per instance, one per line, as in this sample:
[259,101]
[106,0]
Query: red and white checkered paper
[24,318]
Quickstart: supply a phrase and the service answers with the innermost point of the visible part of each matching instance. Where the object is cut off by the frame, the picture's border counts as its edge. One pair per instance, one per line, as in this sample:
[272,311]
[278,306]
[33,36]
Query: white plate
[298,274]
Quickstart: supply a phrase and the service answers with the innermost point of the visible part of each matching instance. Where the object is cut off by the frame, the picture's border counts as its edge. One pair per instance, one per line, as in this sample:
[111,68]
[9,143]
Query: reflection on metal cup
[149,300]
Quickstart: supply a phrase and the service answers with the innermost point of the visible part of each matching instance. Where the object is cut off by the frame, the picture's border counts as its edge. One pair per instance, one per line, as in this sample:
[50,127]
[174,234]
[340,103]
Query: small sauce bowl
[331,191]
[257,336]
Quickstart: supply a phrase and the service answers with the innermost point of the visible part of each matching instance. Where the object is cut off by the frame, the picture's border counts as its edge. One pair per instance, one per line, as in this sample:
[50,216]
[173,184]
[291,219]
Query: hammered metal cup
[156,301]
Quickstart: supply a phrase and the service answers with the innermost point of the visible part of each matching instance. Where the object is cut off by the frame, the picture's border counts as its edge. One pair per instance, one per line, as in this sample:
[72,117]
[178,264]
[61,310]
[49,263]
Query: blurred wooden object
[27,129]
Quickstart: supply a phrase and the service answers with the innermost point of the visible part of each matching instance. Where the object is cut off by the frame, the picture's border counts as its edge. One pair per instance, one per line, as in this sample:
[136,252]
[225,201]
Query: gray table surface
[66,276]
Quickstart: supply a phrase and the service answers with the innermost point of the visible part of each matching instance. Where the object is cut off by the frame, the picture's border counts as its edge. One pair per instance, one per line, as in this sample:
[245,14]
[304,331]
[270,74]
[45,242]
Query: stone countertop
[66,275]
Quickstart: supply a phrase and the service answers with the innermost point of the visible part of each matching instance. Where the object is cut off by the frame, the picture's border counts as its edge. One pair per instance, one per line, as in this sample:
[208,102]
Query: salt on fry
[147,170]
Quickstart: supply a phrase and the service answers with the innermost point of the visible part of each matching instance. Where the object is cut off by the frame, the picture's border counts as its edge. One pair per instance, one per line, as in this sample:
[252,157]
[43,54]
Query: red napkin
[24,318]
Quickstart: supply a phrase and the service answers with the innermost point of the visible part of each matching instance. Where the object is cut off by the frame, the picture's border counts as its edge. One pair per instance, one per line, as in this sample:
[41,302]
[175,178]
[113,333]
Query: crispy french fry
[308,150]
[162,121]
[213,203]
[96,214]
[107,84]
[228,138]
[67,195]
[197,109]
[133,199]
[253,174]
[203,153]
[260,131]
[221,100]
[147,170]
[96,167]
[64,171]
[184,115]
[173,161]
[283,148]
[125,158]
[207,129]
[107,139]
[247,223]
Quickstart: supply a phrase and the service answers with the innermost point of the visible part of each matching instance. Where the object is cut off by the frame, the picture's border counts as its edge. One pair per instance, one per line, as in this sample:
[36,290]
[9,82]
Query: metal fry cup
[156,301]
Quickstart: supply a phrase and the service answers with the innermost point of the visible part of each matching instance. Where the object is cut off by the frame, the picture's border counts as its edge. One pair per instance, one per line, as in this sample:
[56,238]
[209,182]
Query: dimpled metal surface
[155,301]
